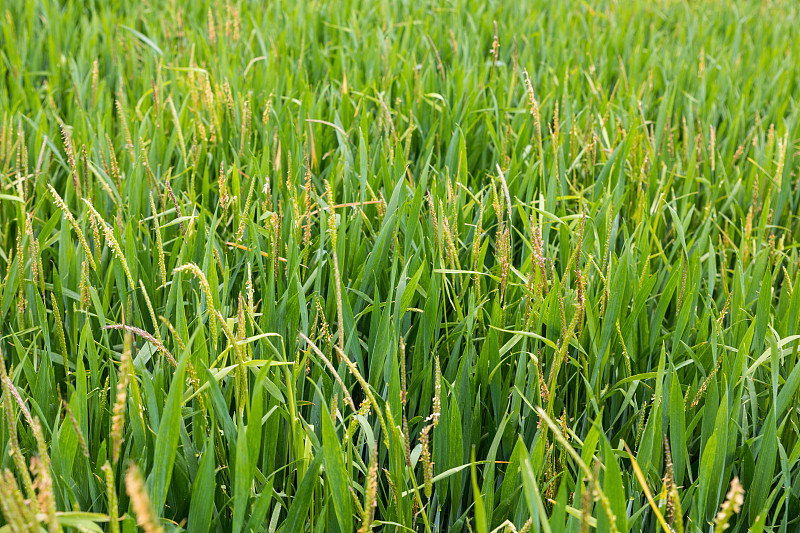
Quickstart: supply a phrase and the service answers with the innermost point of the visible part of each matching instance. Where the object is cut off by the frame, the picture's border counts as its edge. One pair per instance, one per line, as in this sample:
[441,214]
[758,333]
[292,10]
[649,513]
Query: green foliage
[399,266]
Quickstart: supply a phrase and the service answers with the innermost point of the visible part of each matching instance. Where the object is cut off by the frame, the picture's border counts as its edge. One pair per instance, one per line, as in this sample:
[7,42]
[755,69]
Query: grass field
[399,266]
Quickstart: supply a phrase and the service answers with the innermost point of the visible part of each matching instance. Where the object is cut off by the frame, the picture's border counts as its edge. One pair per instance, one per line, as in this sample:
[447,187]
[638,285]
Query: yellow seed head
[732,505]
[212,32]
[140,501]
[159,243]
[112,242]
[118,410]
[201,278]
[73,223]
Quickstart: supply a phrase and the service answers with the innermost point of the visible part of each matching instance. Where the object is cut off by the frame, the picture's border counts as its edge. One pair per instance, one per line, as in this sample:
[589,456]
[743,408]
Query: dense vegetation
[399,266]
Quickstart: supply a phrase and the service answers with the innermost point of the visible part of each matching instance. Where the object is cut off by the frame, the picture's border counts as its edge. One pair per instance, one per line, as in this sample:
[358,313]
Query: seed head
[72,222]
[111,241]
[437,394]
[111,495]
[206,288]
[44,480]
[370,498]
[427,464]
[159,243]
[732,505]
[212,32]
[118,410]
[140,501]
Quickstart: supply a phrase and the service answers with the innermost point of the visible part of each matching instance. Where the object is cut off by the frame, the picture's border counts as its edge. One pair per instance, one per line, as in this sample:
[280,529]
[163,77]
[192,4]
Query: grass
[389,266]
